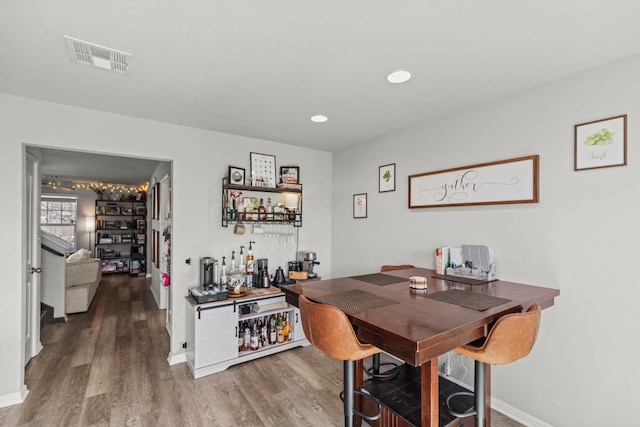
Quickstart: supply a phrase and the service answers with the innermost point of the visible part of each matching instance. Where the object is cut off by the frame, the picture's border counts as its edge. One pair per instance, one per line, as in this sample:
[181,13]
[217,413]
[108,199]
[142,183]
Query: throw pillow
[79,255]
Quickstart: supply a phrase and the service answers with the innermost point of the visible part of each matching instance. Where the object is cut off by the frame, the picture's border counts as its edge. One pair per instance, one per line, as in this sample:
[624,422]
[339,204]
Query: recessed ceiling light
[319,118]
[399,76]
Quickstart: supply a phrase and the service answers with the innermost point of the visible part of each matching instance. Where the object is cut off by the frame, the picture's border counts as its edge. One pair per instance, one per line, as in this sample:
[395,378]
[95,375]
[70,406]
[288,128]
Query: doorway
[67,167]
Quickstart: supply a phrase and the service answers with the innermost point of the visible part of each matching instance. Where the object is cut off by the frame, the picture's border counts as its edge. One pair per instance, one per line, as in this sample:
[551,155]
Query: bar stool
[330,331]
[511,338]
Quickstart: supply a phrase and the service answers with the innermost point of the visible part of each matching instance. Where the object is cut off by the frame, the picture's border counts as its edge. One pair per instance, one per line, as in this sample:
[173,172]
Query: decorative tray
[242,294]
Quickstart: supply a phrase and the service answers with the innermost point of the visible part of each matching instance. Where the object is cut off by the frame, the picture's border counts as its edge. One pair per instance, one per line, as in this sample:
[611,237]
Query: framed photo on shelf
[290,174]
[360,205]
[263,170]
[601,143]
[387,178]
[236,175]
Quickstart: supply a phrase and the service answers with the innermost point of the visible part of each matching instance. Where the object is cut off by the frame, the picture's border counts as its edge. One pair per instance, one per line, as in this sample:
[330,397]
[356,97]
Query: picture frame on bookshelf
[290,174]
[263,170]
[236,175]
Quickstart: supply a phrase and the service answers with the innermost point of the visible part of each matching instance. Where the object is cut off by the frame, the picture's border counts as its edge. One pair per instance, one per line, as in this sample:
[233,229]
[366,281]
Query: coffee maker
[207,272]
[261,274]
[308,260]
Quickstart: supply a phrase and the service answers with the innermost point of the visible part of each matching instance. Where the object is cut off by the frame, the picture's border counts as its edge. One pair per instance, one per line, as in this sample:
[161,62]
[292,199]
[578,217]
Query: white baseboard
[174,359]
[508,410]
[14,398]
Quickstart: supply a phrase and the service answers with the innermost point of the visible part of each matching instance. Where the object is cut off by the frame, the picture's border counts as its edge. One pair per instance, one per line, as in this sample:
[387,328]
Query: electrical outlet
[447,369]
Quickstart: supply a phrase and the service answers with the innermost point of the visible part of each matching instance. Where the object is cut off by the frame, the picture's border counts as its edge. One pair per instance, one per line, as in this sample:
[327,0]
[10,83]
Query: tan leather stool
[511,338]
[329,330]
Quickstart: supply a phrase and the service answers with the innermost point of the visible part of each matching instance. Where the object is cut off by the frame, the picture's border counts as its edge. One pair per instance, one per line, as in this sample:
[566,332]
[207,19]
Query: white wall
[200,160]
[581,238]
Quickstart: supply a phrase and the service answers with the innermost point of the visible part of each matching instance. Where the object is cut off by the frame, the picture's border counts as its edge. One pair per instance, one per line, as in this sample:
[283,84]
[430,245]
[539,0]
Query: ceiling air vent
[98,56]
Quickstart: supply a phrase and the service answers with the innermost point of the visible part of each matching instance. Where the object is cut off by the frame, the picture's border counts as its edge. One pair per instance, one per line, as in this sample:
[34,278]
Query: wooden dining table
[417,326]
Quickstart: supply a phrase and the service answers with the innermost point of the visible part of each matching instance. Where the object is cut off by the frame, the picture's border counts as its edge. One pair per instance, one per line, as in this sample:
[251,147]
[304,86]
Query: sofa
[82,277]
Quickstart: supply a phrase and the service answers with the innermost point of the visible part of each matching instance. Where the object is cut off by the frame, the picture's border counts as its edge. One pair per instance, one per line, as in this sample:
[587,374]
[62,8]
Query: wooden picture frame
[155,252]
[600,143]
[155,201]
[290,174]
[360,205]
[236,175]
[501,182]
[387,178]
[263,170]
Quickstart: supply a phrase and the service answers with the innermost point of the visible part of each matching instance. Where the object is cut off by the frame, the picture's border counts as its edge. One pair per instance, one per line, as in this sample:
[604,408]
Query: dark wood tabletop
[416,328]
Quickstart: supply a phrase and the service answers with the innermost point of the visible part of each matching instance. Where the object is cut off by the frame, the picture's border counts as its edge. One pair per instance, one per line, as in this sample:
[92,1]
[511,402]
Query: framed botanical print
[601,143]
[360,205]
[387,178]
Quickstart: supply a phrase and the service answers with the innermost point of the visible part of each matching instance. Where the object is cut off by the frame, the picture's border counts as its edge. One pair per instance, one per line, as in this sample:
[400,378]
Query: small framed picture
[601,143]
[236,175]
[360,205]
[387,178]
[290,174]
[263,170]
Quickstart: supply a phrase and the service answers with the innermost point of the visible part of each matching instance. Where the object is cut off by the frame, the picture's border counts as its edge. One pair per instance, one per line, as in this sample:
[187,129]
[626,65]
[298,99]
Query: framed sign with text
[502,182]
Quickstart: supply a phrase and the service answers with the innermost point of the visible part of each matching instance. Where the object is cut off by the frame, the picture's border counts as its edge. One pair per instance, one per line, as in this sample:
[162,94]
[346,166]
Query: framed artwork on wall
[600,143]
[360,205]
[263,170]
[387,178]
[290,174]
[501,182]
[236,175]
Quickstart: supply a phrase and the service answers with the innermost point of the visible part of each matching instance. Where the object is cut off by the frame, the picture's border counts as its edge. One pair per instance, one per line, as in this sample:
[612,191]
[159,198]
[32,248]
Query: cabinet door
[215,339]
[298,331]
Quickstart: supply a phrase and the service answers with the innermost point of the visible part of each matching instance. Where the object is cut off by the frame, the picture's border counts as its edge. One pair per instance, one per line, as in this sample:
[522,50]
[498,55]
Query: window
[58,216]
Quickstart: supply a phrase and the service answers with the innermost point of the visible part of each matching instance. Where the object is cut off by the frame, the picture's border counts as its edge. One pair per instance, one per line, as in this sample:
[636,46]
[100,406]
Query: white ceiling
[262,68]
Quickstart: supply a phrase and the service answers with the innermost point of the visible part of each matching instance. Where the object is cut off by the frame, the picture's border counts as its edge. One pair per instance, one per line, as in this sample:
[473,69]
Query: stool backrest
[512,337]
[329,330]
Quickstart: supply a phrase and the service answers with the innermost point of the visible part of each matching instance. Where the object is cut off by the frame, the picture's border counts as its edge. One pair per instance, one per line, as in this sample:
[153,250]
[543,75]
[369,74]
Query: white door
[31,308]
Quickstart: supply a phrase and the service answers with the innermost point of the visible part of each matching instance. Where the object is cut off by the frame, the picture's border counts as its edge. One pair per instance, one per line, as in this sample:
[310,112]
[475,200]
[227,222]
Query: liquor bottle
[272,330]
[262,211]
[246,344]
[269,210]
[264,332]
[279,330]
[253,343]
[240,337]
[250,261]
[286,329]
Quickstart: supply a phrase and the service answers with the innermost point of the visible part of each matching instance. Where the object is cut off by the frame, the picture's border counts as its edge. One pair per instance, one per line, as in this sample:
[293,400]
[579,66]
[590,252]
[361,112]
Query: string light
[98,187]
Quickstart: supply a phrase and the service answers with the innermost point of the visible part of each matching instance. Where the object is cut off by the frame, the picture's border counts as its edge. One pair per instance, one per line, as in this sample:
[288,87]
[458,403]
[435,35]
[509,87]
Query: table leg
[429,393]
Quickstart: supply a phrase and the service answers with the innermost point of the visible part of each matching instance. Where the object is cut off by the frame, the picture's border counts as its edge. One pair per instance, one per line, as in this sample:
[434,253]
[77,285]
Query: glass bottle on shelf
[240,337]
[286,329]
[269,210]
[247,337]
[272,330]
[262,211]
[253,341]
[279,330]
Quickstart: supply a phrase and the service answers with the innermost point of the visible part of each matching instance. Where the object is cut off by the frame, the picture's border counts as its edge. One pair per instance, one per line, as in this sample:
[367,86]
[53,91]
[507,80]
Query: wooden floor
[108,367]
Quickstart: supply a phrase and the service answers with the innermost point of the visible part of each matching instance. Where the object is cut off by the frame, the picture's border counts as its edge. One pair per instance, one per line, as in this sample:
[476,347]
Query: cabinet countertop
[255,293]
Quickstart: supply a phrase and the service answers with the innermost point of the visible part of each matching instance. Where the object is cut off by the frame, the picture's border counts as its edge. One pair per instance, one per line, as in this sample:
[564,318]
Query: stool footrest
[470,411]
[368,396]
